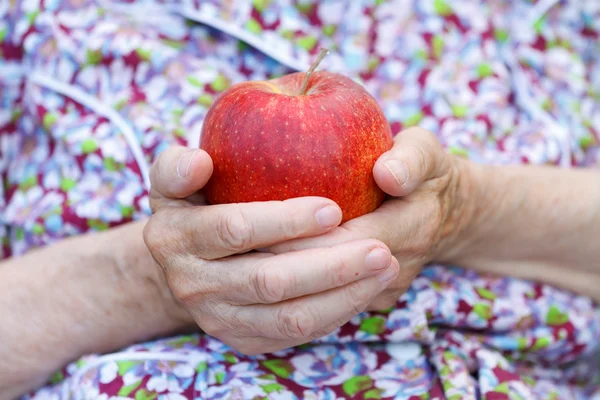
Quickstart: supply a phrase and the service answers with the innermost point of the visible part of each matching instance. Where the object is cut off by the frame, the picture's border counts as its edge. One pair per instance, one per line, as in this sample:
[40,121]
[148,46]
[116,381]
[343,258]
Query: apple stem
[313,66]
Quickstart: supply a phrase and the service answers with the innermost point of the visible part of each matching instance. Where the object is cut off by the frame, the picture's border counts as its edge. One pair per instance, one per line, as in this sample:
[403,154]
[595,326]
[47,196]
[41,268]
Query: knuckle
[421,157]
[154,236]
[337,271]
[234,230]
[357,297]
[185,289]
[295,323]
[291,225]
[269,284]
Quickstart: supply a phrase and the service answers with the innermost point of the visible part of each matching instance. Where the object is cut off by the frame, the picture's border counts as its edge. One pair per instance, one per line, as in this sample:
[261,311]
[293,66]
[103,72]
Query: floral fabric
[92,91]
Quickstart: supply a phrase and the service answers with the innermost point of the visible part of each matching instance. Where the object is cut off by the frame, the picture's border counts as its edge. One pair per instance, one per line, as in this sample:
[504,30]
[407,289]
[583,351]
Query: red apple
[303,134]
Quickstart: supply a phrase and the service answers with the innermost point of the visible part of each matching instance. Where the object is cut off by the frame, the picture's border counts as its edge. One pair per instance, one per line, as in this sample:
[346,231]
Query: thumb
[179,172]
[415,157]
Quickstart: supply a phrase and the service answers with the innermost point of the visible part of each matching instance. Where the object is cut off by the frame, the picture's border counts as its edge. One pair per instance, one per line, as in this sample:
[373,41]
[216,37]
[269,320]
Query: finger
[262,279]
[222,230]
[179,172]
[307,318]
[364,227]
[416,156]
[412,230]
[386,299]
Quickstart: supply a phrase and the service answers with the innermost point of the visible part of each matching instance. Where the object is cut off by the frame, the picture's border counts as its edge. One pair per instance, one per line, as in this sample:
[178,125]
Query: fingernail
[378,259]
[184,163]
[329,216]
[389,274]
[398,170]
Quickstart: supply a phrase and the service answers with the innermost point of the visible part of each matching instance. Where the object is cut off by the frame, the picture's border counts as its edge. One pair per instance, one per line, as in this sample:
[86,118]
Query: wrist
[136,267]
[466,192]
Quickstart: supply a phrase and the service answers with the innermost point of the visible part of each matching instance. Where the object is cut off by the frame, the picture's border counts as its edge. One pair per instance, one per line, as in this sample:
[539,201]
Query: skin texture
[269,143]
[76,297]
[428,209]
[245,298]
[539,223]
[531,222]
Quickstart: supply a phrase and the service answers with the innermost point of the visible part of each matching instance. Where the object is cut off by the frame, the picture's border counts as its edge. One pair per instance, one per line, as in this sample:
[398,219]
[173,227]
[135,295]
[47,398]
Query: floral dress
[91,91]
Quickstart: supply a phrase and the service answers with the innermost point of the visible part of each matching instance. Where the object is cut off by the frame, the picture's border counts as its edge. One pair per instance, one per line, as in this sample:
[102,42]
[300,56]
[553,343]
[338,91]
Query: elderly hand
[420,221]
[254,301]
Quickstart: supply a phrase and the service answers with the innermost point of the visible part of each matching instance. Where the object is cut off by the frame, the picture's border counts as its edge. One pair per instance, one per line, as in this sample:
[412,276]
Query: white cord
[241,34]
[100,108]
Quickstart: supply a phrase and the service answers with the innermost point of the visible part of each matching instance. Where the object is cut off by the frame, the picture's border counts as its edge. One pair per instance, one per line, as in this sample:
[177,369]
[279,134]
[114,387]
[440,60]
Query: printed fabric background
[92,91]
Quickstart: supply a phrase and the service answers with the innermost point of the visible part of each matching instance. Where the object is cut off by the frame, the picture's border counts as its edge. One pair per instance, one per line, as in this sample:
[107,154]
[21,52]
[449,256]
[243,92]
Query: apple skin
[269,142]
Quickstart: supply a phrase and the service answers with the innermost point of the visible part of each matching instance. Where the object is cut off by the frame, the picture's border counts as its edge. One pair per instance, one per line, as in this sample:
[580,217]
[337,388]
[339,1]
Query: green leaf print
[442,8]
[556,317]
[89,146]
[254,26]
[125,366]
[230,358]
[374,393]
[484,70]
[143,394]
[374,325]
[260,5]
[220,84]
[126,390]
[49,120]
[357,384]
[486,294]
[307,42]
[483,310]
[281,368]
[67,184]
[273,387]
[541,343]
[201,367]
[94,57]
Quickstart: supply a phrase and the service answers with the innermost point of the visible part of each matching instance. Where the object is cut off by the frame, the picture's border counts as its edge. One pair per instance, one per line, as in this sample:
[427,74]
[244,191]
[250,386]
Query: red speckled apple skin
[268,142]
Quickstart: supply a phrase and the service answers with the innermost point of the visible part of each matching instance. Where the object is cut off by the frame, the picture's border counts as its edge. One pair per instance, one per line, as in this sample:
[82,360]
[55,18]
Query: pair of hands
[311,274]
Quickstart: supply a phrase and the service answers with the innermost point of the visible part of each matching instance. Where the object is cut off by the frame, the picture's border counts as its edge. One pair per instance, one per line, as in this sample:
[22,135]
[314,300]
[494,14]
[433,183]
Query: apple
[302,134]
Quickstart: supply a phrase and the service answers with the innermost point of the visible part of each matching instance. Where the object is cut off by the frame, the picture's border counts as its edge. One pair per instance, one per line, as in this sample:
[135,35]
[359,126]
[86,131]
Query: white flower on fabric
[88,209]
[330,12]
[88,77]
[192,113]
[183,371]
[144,205]
[108,372]
[127,41]
[141,73]
[103,131]
[120,75]
[155,88]
[132,376]
[157,383]
[20,206]
[114,148]
[404,352]
[30,6]
[390,387]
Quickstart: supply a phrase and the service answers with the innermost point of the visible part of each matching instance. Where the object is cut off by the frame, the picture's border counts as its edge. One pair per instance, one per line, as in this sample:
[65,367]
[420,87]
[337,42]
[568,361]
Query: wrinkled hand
[257,302]
[424,214]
